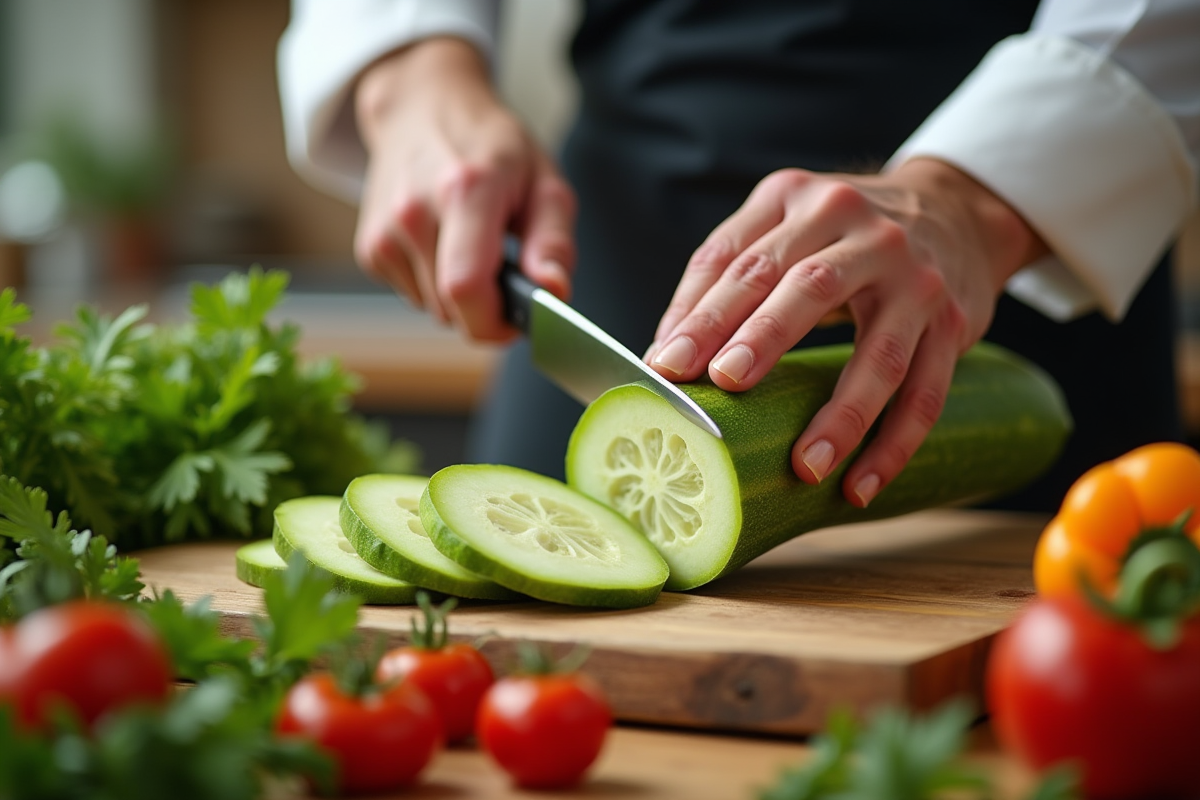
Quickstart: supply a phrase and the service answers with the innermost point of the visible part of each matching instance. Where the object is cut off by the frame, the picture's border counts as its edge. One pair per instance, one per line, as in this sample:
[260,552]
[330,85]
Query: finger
[907,422]
[547,233]
[797,304]
[382,257]
[874,372]
[762,211]
[470,244]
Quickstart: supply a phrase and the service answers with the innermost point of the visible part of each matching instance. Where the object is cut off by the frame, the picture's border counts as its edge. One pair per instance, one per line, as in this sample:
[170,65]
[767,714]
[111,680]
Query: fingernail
[735,363]
[649,354]
[866,488]
[677,355]
[818,457]
[550,265]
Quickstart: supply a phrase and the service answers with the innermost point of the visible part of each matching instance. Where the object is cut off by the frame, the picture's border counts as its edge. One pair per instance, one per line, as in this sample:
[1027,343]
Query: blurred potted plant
[120,190]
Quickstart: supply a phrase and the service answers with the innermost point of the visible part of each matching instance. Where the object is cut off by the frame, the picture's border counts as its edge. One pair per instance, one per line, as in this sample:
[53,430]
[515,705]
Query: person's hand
[917,258]
[450,172]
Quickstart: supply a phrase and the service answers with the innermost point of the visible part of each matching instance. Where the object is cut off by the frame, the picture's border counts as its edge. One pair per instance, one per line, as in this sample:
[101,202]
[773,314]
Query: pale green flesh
[257,560]
[537,536]
[379,516]
[675,482]
[310,526]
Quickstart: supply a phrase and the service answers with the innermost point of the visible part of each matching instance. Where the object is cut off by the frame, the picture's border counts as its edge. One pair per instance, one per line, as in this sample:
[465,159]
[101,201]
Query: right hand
[450,172]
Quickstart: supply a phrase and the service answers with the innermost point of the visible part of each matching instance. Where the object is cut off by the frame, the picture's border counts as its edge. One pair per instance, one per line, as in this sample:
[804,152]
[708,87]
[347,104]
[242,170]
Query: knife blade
[577,354]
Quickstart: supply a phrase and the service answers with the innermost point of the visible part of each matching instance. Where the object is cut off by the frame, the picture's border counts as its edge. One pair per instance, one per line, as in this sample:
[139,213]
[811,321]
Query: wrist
[440,66]
[1008,239]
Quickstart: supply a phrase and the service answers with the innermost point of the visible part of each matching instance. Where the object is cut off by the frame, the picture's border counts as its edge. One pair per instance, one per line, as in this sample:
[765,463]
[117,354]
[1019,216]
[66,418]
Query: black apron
[687,104]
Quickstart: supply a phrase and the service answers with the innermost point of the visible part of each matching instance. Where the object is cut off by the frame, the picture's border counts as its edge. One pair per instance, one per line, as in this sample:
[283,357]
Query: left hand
[917,258]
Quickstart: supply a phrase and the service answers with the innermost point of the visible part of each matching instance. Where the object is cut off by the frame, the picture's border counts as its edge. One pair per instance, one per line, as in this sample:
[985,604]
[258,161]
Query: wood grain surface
[901,611]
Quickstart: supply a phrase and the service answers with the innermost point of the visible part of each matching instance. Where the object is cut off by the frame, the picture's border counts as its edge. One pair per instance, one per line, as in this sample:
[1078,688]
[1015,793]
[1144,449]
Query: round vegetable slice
[309,525]
[380,517]
[257,560]
[539,537]
[711,505]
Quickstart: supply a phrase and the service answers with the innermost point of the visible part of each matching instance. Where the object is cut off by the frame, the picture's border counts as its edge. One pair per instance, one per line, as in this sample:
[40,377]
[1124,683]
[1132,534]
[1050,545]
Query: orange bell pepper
[1106,511]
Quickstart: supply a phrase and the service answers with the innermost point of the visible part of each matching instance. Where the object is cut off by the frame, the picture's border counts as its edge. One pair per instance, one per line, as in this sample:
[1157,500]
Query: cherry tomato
[88,656]
[1066,683]
[454,678]
[544,730]
[380,740]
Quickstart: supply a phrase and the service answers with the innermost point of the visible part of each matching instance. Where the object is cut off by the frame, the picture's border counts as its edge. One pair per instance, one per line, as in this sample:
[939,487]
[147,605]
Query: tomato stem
[434,632]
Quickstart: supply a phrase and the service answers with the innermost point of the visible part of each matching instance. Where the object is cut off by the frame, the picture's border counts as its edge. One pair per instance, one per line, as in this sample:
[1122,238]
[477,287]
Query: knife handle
[517,294]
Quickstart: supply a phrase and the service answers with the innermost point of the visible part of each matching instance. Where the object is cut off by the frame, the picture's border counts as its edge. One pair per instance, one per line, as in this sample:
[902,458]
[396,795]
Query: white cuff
[1085,154]
[321,54]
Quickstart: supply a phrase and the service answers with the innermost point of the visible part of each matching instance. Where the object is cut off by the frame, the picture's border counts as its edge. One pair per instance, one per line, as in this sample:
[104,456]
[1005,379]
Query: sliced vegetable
[454,676]
[257,560]
[1115,509]
[710,505]
[309,525]
[379,516]
[537,536]
[544,725]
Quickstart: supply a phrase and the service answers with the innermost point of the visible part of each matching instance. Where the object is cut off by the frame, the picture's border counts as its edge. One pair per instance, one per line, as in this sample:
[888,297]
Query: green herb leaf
[192,636]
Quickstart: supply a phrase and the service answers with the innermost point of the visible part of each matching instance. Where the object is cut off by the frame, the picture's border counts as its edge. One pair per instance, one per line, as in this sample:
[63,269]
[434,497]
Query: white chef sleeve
[326,46]
[1089,126]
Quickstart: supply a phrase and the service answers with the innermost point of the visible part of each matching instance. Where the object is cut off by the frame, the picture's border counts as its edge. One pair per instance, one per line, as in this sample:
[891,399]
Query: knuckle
[818,280]
[841,199]
[705,322]
[924,404]
[710,255]
[462,179]
[892,455]
[929,284]
[787,180]
[888,357]
[457,286]
[759,271]
[954,319]
[891,236]
[769,329]
[852,416]
[408,216]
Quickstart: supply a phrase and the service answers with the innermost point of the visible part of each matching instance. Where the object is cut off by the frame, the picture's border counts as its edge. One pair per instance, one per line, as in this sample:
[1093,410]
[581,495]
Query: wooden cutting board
[901,611]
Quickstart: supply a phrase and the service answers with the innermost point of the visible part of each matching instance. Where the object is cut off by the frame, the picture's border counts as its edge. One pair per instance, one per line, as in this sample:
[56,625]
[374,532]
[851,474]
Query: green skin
[257,560]
[387,591]
[388,560]
[1004,423]
[460,550]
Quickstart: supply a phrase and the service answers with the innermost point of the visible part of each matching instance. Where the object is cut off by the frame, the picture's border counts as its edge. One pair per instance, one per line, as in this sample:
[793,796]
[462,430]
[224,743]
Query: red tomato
[544,730]
[1065,683]
[88,656]
[454,677]
[380,741]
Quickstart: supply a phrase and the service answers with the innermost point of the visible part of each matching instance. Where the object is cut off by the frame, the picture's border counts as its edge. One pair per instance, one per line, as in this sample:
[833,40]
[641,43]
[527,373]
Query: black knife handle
[517,293]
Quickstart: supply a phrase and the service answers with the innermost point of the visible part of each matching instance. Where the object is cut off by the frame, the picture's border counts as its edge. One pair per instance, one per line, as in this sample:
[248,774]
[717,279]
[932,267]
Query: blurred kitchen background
[141,148]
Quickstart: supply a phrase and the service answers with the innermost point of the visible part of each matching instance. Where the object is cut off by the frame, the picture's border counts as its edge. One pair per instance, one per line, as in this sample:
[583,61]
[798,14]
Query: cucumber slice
[539,537]
[257,560]
[310,526]
[379,515]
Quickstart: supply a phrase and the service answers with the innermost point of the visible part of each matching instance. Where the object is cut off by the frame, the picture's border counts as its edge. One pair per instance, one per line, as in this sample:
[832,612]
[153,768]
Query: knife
[577,354]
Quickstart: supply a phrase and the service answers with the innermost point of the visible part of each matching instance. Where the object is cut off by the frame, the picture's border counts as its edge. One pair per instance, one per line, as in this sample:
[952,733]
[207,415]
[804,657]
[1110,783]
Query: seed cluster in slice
[537,536]
[673,481]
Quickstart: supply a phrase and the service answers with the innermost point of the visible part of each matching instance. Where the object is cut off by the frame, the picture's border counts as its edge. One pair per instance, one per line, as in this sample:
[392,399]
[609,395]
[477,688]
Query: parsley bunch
[151,434]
